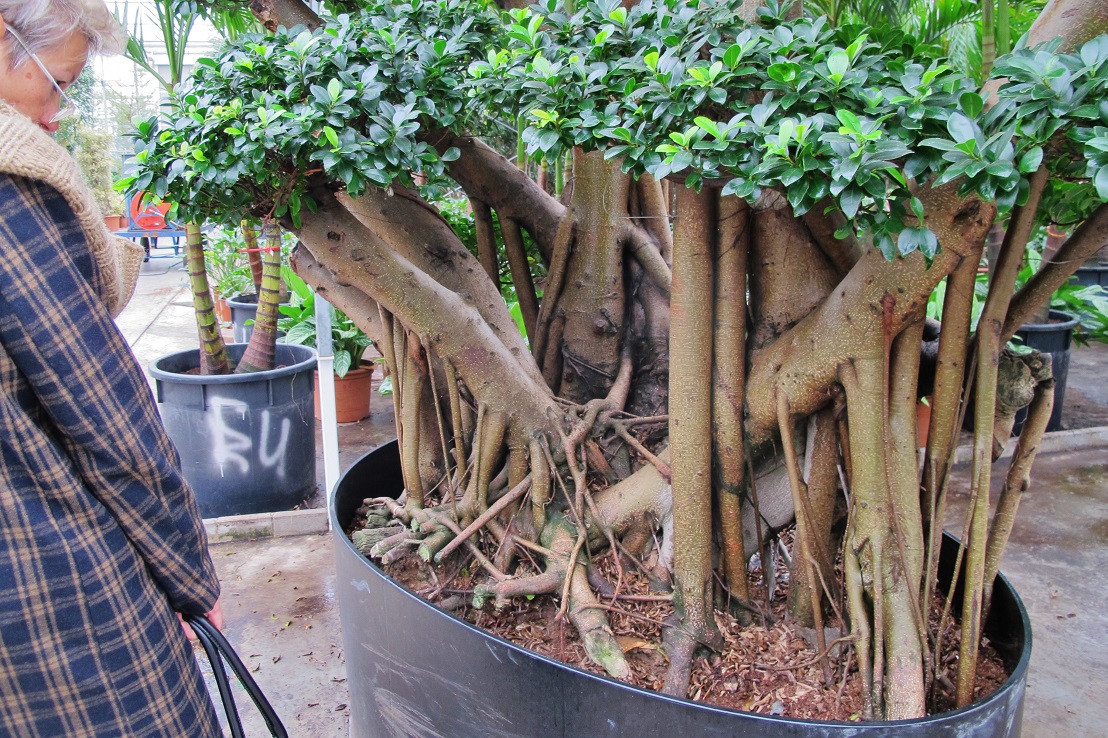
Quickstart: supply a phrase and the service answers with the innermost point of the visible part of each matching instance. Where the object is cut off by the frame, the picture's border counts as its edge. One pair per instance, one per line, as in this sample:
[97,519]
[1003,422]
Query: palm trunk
[261,352]
[213,351]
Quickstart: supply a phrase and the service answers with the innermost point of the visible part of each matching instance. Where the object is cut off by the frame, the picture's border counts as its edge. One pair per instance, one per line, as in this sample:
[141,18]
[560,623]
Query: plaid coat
[100,537]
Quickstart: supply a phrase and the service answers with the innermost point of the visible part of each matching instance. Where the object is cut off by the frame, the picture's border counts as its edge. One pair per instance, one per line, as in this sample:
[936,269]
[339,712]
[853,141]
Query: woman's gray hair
[46,23]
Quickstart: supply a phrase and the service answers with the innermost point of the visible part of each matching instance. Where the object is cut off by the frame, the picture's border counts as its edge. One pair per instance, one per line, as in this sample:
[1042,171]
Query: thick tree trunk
[1075,21]
[898,657]
[593,297]
[690,440]
[454,327]
[729,386]
[822,485]
[789,275]
[261,352]
[287,13]
[804,362]
[213,352]
[491,178]
[408,226]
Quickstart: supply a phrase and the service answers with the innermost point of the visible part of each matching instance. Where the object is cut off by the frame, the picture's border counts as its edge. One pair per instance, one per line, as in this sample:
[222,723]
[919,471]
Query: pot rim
[251,303]
[363,369]
[1067,321]
[238,301]
[1017,676]
[304,358]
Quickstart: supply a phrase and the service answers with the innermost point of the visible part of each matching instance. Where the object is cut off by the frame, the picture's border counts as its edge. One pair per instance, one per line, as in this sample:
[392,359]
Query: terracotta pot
[222,310]
[115,222]
[352,393]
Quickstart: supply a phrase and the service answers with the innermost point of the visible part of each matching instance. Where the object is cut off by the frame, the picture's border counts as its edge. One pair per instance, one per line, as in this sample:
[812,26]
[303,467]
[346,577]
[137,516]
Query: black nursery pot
[1088,276]
[415,670]
[1056,339]
[247,441]
[244,308]
[244,311]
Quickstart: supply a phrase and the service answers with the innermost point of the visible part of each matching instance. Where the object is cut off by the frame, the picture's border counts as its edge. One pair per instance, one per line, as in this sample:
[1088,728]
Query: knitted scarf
[28,151]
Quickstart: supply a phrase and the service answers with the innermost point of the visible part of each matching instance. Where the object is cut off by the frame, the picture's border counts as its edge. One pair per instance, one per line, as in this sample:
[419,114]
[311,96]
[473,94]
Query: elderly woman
[101,542]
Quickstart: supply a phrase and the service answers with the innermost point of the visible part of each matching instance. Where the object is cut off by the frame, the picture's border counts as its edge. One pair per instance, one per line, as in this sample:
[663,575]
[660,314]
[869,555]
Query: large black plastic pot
[1088,276]
[415,670]
[247,441]
[1054,338]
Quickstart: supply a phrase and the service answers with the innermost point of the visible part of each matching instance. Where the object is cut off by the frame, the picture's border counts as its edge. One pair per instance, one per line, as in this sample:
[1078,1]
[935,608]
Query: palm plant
[971,33]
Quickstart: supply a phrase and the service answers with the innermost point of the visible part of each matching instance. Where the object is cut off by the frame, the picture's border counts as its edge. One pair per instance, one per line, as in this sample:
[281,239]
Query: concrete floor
[281,615]
[1057,560]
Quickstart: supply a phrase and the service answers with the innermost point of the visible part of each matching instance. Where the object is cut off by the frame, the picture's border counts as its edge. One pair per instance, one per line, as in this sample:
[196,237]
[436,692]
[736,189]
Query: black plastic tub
[247,441]
[244,309]
[1088,276]
[1054,338]
[415,670]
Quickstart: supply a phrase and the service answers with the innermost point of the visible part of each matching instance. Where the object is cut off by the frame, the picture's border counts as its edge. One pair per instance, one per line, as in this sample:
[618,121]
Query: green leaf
[849,200]
[837,63]
[961,128]
[708,125]
[334,89]
[681,160]
[451,154]
[783,72]
[917,239]
[733,55]
[1101,183]
[971,103]
[331,136]
[1031,160]
[850,121]
[342,363]
[917,208]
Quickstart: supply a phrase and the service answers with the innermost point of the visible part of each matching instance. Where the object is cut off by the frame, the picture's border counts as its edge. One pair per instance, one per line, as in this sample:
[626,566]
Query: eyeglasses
[68,108]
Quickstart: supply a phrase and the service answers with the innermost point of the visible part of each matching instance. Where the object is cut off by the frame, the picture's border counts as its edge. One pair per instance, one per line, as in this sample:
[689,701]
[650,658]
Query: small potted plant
[353,377]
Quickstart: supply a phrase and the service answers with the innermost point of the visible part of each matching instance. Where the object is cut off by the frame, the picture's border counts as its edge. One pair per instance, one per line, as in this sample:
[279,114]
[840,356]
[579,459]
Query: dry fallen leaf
[630,643]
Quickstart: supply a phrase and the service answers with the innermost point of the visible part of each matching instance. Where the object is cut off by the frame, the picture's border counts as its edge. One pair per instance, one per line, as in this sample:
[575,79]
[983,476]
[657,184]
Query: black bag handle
[218,648]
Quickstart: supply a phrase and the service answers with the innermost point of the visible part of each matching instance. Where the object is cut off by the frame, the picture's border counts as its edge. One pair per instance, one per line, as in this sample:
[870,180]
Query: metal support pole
[327,416]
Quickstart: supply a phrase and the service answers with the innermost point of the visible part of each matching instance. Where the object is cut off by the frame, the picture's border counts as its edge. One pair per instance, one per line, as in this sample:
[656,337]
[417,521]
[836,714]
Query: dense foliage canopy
[669,88]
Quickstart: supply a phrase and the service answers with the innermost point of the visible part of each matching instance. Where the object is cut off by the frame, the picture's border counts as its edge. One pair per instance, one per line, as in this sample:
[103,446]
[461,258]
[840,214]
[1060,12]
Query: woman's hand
[215,615]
